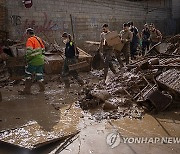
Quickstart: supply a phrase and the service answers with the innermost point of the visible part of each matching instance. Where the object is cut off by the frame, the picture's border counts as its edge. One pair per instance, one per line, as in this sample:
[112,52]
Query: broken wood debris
[170,81]
[56,57]
[137,82]
[174,45]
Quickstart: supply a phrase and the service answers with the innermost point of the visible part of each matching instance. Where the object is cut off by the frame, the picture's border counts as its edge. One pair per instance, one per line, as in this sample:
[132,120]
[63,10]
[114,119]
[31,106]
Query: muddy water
[46,109]
[16,110]
[93,135]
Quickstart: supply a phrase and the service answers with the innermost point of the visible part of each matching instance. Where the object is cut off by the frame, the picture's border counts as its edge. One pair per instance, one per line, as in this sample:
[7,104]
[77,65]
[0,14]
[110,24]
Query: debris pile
[170,80]
[3,70]
[4,76]
[140,86]
[174,45]
[117,96]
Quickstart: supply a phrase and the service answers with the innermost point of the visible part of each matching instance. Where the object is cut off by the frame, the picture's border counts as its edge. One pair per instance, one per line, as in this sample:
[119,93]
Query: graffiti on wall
[47,26]
[52,28]
[15,20]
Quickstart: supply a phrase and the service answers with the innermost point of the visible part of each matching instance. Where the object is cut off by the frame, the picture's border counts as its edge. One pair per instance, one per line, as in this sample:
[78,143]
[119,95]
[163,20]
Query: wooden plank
[78,65]
[92,42]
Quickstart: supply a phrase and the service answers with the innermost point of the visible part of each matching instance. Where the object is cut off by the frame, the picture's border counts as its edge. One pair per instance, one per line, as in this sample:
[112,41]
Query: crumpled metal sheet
[171,79]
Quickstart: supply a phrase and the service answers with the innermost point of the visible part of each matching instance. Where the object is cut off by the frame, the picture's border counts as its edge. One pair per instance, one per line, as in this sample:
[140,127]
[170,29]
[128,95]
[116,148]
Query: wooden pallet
[78,65]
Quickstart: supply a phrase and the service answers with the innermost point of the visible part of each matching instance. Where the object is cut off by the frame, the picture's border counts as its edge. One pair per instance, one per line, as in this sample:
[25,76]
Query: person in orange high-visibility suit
[35,62]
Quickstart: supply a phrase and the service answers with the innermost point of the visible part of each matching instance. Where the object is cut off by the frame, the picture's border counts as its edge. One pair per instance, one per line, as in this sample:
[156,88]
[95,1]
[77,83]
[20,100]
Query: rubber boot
[27,88]
[41,86]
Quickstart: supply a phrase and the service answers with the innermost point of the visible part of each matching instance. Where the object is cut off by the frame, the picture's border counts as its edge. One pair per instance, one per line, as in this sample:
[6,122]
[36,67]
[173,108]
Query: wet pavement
[56,110]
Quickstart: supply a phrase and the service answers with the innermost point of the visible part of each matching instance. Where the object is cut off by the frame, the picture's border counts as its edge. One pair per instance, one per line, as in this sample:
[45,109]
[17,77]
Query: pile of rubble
[174,45]
[3,70]
[129,94]
[4,75]
[116,98]
[150,84]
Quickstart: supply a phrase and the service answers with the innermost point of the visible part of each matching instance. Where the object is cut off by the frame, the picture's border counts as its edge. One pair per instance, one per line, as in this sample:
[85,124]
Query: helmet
[30,30]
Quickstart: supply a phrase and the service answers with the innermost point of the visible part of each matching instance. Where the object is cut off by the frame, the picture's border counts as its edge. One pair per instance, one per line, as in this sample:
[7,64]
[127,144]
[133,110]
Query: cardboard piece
[112,38]
[119,46]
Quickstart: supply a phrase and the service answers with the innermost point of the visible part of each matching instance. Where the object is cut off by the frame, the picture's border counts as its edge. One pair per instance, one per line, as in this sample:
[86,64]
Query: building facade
[50,18]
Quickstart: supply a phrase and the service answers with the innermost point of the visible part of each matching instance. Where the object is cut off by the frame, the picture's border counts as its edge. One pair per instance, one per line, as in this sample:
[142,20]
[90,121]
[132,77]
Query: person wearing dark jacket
[135,39]
[145,36]
[71,55]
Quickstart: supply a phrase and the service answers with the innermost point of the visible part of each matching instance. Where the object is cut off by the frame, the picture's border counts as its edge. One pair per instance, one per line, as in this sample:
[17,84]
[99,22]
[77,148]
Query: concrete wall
[2,15]
[176,13]
[176,9]
[51,17]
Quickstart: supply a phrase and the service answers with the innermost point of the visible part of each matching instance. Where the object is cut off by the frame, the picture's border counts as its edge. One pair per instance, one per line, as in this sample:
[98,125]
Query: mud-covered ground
[95,125]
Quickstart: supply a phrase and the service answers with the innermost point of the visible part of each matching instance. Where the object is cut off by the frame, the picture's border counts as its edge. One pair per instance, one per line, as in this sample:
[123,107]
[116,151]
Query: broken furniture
[56,60]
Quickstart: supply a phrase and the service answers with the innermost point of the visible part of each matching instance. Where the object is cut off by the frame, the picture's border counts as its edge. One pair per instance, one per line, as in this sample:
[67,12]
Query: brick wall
[51,17]
[176,14]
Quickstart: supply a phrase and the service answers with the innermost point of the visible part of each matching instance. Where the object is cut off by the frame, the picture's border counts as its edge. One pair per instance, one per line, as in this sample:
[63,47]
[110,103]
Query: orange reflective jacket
[35,49]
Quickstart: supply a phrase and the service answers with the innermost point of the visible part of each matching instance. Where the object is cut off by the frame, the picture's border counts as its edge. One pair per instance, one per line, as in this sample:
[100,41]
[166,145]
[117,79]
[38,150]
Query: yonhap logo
[113,139]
